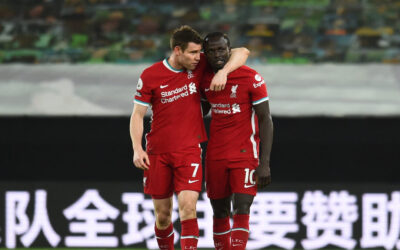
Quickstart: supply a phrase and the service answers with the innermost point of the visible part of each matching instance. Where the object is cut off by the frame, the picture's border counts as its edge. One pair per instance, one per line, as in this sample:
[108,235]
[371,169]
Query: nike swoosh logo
[206,90]
[234,245]
[193,181]
[163,86]
[249,186]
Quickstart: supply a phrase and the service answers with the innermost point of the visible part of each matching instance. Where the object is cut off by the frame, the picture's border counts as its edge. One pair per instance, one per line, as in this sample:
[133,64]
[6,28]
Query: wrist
[264,163]
[137,148]
[224,71]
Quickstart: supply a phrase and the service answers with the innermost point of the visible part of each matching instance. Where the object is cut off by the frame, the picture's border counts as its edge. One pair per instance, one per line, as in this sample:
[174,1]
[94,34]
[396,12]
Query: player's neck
[173,61]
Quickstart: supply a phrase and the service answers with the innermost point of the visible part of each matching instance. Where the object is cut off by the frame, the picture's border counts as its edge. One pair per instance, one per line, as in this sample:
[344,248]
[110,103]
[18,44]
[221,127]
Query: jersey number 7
[196,167]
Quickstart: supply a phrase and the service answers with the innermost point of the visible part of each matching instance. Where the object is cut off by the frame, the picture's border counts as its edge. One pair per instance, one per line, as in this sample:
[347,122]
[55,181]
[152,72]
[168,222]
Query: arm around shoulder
[237,59]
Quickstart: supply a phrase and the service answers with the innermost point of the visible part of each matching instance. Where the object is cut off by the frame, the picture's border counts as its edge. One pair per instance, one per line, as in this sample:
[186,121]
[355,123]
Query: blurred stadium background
[68,72]
[132,31]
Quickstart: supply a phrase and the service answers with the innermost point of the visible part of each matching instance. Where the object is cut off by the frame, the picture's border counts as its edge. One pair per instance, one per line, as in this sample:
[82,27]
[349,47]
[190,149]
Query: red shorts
[225,177]
[174,171]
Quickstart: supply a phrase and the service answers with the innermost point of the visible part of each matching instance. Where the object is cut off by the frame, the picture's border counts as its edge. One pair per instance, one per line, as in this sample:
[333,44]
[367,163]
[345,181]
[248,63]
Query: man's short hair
[183,35]
[215,36]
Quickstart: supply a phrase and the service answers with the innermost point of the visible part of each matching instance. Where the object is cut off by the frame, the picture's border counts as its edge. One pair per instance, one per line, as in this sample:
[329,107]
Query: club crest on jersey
[190,74]
[234,91]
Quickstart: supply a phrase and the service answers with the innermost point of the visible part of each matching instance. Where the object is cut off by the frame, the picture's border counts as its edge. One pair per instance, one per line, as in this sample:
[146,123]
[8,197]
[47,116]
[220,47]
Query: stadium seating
[137,31]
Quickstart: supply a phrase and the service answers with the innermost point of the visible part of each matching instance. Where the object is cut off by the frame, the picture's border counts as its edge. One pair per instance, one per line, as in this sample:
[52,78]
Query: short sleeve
[143,92]
[258,89]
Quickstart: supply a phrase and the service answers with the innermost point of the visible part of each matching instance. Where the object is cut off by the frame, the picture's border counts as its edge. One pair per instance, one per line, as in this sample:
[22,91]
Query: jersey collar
[168,66]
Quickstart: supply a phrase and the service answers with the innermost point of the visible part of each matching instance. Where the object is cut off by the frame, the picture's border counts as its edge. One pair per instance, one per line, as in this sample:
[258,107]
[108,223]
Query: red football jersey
[174,98]
[234,125]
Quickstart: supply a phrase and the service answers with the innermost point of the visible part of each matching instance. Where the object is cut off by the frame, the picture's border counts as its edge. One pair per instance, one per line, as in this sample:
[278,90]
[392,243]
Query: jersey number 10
[249,176]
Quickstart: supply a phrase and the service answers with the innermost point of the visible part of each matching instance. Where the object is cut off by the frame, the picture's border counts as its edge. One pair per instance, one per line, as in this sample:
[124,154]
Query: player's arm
[237,59]
[266,133]
[140,157]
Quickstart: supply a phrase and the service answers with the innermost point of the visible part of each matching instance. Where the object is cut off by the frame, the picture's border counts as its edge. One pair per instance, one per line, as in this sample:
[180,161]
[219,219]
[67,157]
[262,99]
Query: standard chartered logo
[225,108]
[178,93]
[175,91]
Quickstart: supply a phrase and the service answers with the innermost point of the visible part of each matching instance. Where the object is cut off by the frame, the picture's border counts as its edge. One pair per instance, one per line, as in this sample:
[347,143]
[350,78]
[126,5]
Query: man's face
[217,53]
[190,57]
